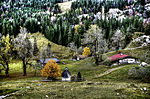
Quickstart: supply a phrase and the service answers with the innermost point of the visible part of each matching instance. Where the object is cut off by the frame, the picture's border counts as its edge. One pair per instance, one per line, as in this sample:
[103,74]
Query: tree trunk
[96,54]
[7,69]
[96,61]
[100,58]
[24,67]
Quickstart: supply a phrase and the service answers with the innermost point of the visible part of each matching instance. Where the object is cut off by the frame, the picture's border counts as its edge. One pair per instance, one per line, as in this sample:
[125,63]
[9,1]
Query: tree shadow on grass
[18,76]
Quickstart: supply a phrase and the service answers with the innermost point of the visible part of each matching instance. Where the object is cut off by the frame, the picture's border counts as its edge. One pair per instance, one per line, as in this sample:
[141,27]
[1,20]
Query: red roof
[117,56]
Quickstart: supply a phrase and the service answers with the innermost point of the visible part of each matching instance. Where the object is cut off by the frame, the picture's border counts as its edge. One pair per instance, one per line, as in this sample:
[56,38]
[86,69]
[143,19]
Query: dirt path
[65,6]
[109,71]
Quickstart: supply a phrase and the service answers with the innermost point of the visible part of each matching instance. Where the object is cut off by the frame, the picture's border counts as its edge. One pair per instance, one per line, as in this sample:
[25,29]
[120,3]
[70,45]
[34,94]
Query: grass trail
[109,71]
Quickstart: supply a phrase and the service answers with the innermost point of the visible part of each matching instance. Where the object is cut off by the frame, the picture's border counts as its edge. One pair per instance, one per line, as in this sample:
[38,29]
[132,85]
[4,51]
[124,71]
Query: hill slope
[58,50]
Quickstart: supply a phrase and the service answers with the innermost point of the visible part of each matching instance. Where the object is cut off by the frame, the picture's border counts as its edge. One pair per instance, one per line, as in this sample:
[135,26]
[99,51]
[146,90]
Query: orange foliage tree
[51,70]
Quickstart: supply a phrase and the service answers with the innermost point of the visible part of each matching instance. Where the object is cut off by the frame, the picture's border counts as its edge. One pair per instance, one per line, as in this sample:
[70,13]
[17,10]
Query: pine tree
[35,49]
[77,40]
[56,33]
[43,27]
[11,30]
[60,37]
[65,34]
[147,29]
[4,28]
[51,33]
[70,35]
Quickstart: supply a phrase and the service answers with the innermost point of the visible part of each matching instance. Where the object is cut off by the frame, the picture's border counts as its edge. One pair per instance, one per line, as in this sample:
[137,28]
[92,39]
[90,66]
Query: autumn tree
[24,48]
[86,52]
[6,47]
[51,70]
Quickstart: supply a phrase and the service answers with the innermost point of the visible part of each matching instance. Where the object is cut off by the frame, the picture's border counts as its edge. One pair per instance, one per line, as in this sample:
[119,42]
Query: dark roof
[118,56]
[66,73]
[47,59]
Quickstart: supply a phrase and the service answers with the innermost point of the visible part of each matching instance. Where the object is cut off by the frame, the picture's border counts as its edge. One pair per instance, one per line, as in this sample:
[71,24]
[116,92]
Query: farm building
[122,59]
[66,75]
[44,61]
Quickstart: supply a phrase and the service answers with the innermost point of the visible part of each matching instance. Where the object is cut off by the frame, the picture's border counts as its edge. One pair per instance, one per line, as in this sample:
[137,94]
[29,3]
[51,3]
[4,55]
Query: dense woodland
[43,16]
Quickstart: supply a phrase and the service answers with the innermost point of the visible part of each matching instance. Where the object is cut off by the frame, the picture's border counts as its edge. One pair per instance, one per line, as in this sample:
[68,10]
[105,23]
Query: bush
[51,70]
[147,29]
[142,73]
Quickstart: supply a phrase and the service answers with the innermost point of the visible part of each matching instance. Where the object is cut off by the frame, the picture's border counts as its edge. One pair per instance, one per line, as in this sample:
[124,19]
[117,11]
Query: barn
[122,59]
[43,62]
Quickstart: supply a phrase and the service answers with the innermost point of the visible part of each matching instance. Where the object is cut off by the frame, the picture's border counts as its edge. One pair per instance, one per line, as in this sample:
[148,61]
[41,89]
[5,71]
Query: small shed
[44,61]
[122,59]
[66,75]
[78,57]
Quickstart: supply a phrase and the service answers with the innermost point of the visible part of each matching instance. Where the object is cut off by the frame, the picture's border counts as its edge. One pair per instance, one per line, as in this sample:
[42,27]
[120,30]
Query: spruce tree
[51,33]
[70,35]
[60,37]
[11,30]
[4,28]
[35,49]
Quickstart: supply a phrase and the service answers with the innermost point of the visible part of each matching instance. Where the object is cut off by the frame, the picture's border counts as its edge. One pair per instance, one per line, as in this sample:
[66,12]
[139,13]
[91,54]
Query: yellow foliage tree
[6,47]
[51,70]
[86,52]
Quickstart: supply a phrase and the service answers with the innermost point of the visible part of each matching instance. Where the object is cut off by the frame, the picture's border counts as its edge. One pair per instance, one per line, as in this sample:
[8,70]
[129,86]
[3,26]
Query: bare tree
[101,46]
[96,42]
[146,56]
[24,48]
[117,40]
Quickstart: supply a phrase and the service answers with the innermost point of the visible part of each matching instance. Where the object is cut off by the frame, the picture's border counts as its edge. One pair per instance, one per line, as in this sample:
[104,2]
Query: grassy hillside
[58,50]
[131,51]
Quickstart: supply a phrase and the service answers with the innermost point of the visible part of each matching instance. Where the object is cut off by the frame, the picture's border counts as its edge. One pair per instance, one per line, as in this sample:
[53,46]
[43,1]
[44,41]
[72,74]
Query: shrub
[147,29]
[51,70]
[140,73]
[86,52]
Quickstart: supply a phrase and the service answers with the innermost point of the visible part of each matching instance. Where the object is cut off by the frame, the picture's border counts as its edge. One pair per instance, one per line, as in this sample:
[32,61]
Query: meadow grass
[114,85]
